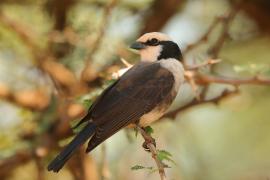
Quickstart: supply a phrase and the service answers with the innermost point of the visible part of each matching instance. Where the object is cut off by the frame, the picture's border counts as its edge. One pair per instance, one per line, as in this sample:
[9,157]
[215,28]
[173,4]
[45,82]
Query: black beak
[137,45]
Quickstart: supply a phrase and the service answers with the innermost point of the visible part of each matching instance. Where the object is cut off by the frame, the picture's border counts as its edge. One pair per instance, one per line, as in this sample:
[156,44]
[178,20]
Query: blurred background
[57,56]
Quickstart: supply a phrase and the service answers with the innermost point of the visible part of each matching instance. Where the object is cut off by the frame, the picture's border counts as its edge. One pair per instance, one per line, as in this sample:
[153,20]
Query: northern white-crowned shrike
[140,96]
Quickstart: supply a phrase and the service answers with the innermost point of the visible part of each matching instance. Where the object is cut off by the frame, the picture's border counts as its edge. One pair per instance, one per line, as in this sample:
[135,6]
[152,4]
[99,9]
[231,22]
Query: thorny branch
[150,143]
[214,50]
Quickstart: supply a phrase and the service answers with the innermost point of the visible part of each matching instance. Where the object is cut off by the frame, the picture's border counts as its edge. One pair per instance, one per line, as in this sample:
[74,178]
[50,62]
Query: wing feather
[136,93]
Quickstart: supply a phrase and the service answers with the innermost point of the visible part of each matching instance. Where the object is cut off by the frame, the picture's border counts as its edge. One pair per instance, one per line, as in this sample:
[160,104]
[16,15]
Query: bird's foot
[148,140]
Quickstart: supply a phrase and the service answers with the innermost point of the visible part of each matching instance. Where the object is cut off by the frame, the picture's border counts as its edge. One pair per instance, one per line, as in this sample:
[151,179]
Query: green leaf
[136,132]
[137,167]
[165,155]
[149,130]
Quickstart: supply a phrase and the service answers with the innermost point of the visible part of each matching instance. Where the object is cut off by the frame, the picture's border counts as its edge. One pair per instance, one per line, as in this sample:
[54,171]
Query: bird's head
[155,46]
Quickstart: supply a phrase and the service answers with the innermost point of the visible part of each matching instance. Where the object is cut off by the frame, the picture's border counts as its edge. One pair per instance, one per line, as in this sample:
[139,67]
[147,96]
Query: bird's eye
[152,42]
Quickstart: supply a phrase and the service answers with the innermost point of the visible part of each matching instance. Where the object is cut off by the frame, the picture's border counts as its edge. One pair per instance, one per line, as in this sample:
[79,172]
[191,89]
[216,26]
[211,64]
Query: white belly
[150,117]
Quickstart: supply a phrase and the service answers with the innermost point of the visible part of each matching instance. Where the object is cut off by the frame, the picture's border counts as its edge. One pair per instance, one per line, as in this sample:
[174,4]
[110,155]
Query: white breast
[176,68]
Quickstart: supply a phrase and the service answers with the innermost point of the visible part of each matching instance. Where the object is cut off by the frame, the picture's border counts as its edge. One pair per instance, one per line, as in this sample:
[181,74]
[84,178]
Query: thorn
[190,79]
[127,64]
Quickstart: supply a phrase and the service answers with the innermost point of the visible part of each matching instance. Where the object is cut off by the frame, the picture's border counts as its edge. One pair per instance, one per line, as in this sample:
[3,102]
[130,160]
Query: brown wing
[136,93]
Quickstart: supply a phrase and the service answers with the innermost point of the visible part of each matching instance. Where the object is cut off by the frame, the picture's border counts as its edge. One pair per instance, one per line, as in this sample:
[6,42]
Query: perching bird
[140,96]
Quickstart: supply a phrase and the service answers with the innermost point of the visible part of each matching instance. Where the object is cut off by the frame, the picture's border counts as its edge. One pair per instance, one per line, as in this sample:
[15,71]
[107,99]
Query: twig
[206,79]
[227,20]
[206,63]
[151,146]
[194,102]
[204,37]
[216,47]
[189,76]
[126,63]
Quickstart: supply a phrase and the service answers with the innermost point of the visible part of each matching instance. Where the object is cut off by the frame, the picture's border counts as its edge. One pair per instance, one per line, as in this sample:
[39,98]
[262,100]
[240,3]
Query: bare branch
[206,63]
[195,102]
[226,22]
[257,80]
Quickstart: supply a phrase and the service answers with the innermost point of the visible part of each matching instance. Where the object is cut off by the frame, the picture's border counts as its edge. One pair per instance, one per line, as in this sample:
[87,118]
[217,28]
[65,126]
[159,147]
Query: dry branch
[195,102]
[226,21]
[257,80]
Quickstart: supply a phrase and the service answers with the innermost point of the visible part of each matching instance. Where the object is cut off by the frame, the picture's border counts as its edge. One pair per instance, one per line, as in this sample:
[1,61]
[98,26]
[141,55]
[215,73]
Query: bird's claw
[148,141]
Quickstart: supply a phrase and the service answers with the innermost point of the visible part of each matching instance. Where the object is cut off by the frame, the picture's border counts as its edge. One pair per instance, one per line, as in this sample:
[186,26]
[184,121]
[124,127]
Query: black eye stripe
[152,42]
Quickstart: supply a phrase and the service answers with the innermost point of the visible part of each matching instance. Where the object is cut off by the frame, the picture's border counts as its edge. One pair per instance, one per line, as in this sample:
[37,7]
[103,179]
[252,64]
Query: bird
[139,97]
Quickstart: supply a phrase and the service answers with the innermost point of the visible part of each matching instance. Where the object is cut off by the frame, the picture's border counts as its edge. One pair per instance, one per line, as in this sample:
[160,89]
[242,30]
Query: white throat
[150,54]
